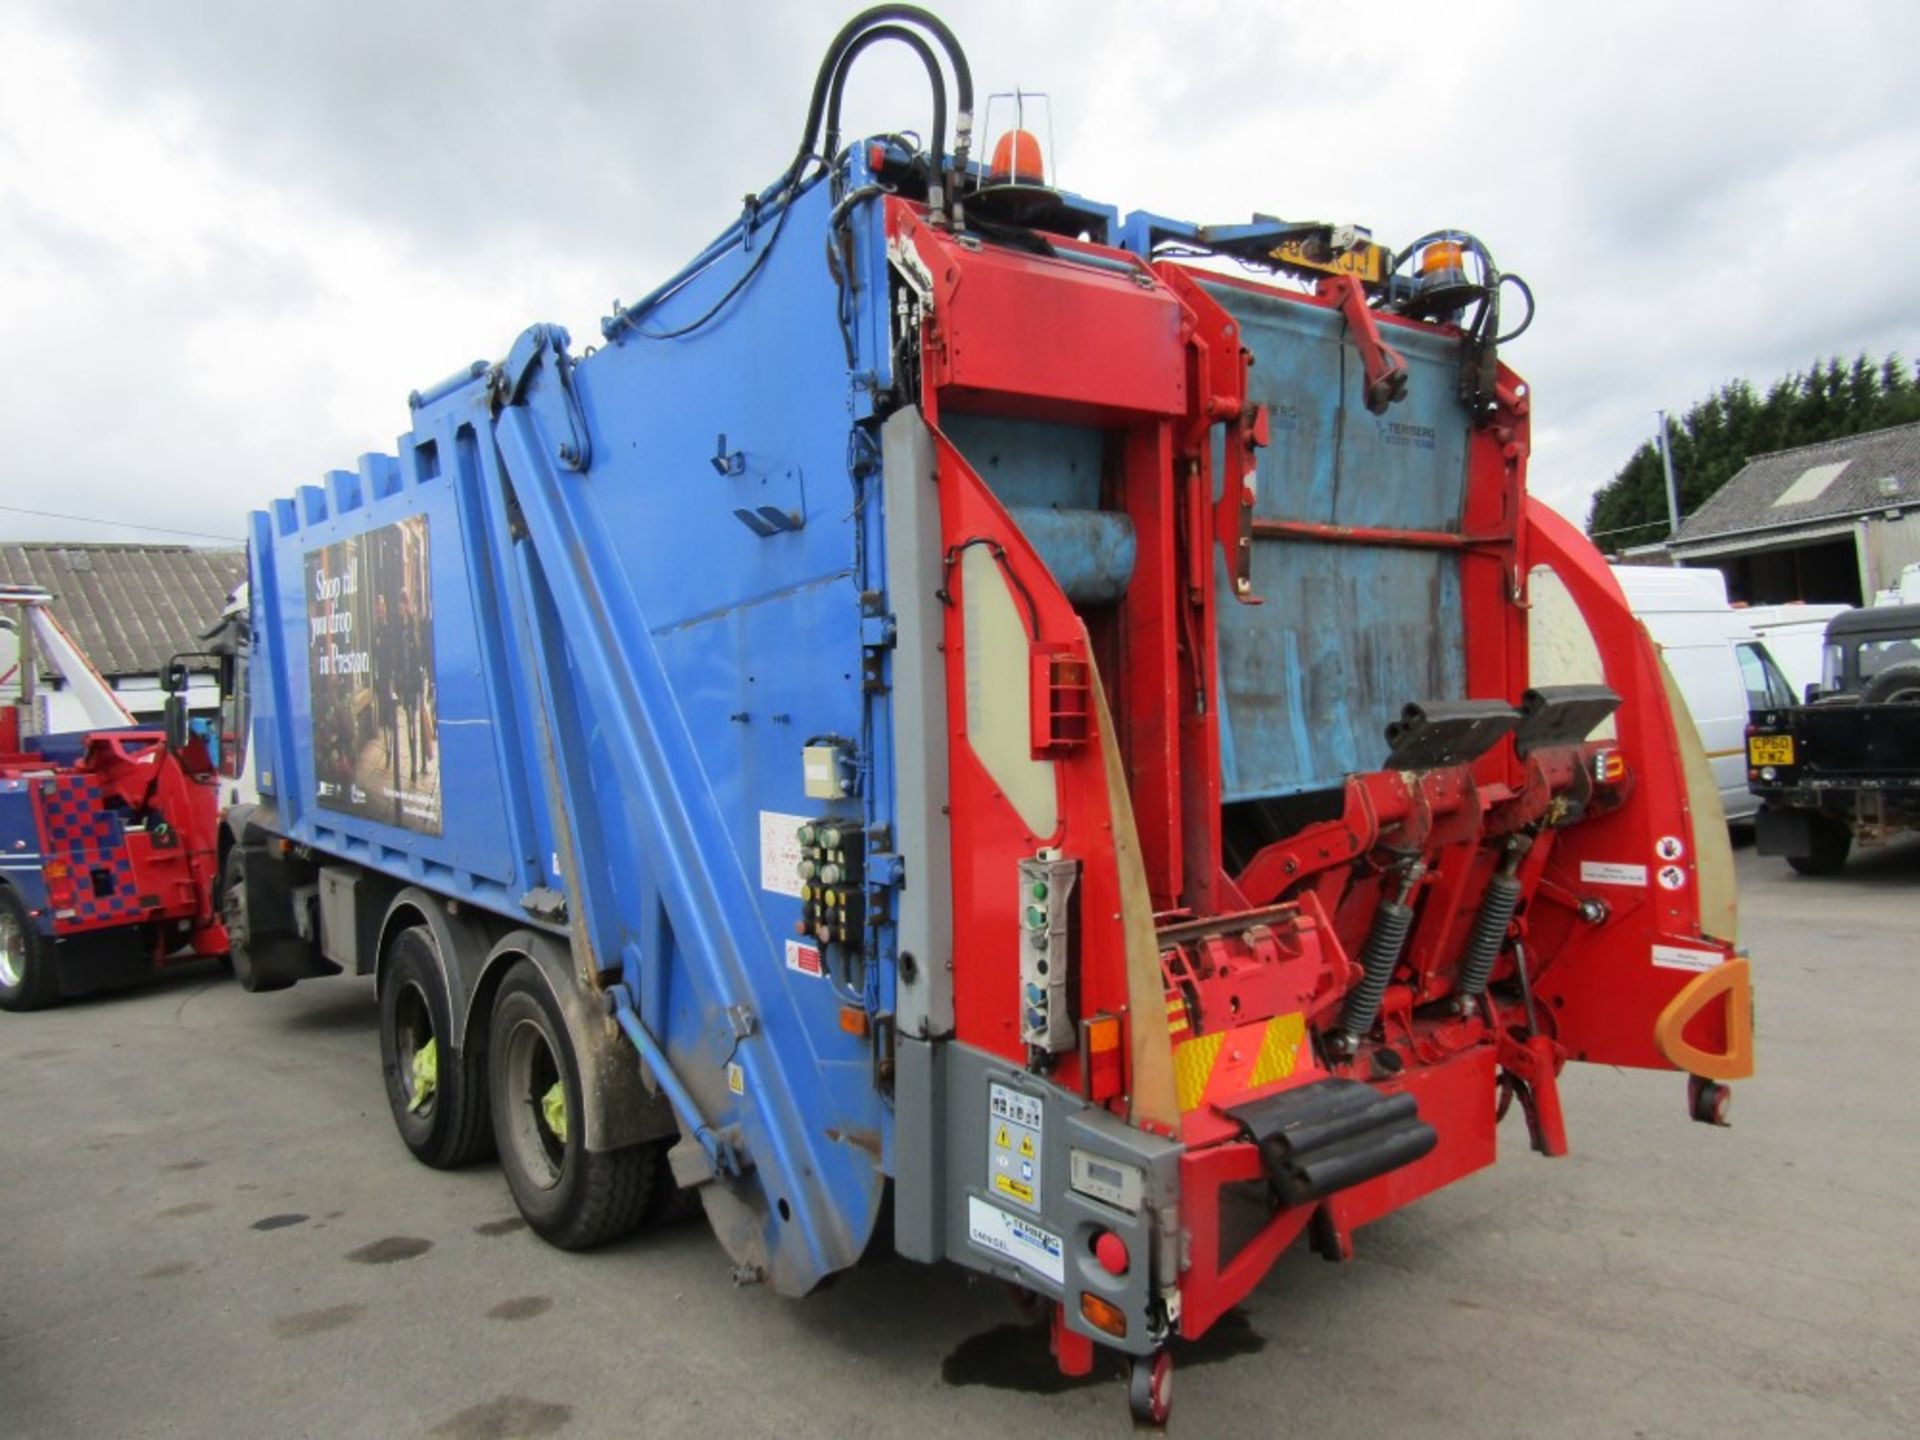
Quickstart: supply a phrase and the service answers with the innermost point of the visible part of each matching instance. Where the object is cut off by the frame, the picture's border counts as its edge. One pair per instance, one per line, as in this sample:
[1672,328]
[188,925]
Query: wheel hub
[13,951]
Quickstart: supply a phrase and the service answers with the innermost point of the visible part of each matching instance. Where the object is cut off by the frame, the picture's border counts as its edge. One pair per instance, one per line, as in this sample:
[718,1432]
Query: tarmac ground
[208,1227]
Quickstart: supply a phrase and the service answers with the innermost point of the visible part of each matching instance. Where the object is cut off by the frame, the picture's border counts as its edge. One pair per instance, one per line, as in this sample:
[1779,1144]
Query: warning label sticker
[1612,872]
[780,852]
[1014,1122]
[1681,957]
[1012,1238]
[805,958]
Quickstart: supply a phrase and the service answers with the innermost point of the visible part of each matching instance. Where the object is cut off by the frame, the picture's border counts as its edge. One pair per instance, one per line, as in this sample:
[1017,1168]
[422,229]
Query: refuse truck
[1058,727]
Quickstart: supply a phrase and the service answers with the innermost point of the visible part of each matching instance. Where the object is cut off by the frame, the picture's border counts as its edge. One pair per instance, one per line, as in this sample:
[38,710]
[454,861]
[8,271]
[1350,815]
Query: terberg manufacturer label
[1021,1241]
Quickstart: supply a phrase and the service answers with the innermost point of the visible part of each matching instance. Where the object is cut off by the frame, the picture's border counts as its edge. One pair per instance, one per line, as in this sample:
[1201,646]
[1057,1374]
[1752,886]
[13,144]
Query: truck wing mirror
[1812,692]
[176,719]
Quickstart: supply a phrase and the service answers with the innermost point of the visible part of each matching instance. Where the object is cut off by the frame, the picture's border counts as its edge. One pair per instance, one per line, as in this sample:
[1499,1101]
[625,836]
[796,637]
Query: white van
[1722,668]
[1795,635]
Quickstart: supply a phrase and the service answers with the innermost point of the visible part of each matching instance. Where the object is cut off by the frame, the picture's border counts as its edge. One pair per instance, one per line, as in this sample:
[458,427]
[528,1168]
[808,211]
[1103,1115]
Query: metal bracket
[725,461]
[543,902]
[1386,367]
[723,1149]
[557,406]
[1434,733]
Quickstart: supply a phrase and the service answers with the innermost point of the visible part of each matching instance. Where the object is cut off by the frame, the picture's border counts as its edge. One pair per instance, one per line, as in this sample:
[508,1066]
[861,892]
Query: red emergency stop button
[1111,1251]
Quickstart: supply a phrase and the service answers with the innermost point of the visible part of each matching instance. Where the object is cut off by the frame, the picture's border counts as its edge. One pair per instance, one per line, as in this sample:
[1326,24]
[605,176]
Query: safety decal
[1012,1238]
[1672,877]
[1279,1048]
[805,958]
[1014,1129]
[1681,957]
[1193,1067]
[780,852]
[736,1078]
[1668,847]
[1612,872]
[1196,1060]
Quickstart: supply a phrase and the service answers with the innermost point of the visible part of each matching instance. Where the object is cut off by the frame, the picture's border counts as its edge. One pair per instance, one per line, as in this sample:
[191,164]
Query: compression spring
[1489,931]
[1392,923]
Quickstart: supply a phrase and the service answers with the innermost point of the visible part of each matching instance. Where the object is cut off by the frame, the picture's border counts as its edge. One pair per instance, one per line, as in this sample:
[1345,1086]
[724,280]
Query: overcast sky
[235,234]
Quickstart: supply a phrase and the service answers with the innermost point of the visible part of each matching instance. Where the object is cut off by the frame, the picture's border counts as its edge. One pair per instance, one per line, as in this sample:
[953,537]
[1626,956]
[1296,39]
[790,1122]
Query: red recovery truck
[108,836]
[1057,726]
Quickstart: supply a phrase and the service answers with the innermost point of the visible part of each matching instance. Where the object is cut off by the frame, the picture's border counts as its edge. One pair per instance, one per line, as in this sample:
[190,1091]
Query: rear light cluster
[1062,707]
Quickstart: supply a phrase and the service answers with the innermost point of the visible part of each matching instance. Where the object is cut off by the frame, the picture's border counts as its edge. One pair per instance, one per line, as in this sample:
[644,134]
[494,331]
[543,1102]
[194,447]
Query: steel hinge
[557,405]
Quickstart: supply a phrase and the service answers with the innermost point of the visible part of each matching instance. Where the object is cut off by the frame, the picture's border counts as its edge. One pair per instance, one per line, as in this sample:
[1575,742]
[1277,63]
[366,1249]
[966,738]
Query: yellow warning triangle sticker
[1026,1147]
[1003,1140]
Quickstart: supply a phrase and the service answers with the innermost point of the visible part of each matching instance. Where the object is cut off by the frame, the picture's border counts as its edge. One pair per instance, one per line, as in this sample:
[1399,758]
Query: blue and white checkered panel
[77,828]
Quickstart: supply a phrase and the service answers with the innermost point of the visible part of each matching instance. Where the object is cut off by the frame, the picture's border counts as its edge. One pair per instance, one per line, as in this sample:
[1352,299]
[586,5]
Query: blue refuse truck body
[603,749]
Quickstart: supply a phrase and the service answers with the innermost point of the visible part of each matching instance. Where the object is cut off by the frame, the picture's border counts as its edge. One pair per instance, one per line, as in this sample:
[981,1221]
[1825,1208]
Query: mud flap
[1636,902]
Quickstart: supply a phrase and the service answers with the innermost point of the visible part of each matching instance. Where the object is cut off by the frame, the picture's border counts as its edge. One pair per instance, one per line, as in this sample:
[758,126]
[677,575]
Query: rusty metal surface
[1355,624]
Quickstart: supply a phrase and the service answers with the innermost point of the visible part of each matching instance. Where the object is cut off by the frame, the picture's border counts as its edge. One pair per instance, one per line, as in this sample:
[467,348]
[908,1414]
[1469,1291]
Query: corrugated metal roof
[1875,471]
[130,607]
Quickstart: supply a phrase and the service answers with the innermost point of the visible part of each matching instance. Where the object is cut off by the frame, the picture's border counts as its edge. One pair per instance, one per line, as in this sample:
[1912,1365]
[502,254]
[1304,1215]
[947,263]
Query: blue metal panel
[20,857]
[653,577]
[1032,462]
[471,855]
[1349,633]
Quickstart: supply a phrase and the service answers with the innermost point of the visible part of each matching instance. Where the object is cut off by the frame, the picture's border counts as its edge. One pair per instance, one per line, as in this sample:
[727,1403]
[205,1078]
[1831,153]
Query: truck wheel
[1831,842]
[572,1197]
[1899,685]
[1150,1388]
[254,978]
[438,1095]
[28,980]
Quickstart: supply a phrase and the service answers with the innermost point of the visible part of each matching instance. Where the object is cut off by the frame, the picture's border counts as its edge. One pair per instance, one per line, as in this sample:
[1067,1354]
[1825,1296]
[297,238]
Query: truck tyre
[1831,842]
[438,1095]
[1897,686]
[254,978]
[572,1197]
[28,979]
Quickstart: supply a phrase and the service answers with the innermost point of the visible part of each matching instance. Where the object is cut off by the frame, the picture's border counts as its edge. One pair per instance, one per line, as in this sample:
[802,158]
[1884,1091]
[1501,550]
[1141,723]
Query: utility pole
[1666,464]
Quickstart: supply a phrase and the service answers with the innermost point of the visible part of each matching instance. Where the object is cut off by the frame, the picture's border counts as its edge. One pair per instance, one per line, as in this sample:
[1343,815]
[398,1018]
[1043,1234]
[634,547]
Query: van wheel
[28,979]
[572,1197]
[438,1095]
[1831,843]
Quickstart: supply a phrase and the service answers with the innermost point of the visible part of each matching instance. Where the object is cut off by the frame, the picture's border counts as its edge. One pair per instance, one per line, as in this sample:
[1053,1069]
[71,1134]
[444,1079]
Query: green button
[1036,917]
[1039,889]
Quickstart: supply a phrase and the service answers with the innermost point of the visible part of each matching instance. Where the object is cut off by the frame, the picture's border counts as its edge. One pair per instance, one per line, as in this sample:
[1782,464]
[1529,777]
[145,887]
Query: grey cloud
[1682,185]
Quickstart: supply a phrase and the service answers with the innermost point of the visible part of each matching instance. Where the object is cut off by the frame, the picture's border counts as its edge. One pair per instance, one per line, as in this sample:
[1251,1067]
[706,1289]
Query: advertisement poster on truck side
[376,750]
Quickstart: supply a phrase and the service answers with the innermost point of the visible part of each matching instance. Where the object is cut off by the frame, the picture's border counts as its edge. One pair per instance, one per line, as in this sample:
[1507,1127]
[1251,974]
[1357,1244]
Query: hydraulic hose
[836,52]
[935,81]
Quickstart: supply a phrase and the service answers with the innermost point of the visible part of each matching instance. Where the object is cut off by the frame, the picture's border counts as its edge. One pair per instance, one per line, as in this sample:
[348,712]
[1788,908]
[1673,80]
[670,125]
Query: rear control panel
[1046,951]
[832,885]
